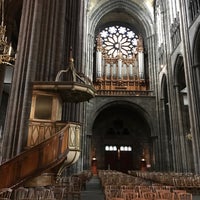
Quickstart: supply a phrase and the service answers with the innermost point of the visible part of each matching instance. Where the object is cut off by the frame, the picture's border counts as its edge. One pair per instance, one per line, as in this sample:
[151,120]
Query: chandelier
[5,47]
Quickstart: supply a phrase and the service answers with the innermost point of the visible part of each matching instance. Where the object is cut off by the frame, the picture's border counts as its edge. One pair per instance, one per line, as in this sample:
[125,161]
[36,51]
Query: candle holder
[5,48]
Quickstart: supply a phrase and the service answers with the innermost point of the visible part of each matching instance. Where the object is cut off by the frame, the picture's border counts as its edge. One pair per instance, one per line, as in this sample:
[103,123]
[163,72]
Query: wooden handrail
[36,160]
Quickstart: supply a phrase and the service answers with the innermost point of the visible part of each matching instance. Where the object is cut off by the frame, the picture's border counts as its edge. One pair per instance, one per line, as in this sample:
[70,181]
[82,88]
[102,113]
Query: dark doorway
[119,160]
[121,125]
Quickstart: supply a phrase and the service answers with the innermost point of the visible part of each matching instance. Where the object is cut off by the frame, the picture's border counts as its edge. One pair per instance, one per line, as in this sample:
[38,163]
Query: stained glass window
[119,39]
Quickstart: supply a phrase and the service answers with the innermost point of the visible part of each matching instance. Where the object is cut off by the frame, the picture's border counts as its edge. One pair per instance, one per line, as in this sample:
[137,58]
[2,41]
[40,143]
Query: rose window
[117,39]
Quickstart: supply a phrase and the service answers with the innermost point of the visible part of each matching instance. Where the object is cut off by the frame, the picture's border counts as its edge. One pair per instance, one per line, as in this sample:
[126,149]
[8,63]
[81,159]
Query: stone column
[2,74]
[164,154]
[74,28]
[191,82]
[196,115]
[39,44]
[180,133]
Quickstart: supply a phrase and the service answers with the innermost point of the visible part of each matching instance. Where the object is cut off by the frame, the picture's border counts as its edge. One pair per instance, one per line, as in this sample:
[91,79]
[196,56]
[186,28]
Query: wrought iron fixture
[5,47]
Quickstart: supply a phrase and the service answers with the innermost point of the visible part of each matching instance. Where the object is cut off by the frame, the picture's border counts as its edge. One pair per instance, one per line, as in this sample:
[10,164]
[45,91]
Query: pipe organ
[120,72]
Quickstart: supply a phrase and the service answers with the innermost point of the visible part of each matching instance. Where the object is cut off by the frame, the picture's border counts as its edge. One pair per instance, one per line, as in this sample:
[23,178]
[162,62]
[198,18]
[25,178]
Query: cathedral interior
[98,85]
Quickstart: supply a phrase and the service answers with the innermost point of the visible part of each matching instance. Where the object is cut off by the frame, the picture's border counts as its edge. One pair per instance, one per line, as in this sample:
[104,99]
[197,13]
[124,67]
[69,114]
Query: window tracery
[119,60]
[117,39]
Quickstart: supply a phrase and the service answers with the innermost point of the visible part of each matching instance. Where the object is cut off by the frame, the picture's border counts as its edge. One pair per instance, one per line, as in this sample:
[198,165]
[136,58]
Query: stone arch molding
[178,63]
[140,13]
[163,85]
[144,113]
[196,48]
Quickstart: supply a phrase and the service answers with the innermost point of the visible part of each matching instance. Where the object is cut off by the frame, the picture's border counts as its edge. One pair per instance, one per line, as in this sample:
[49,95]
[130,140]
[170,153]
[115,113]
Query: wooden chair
[176,192]
[42,193]
[123,191]
[166,195]
[149,195]
[58,192]
[5,193]
[184,196]
[21,193]
[140,198]
[144,189]
[112,193]
[130,195]
[49,194]
[117,198]
[75,190]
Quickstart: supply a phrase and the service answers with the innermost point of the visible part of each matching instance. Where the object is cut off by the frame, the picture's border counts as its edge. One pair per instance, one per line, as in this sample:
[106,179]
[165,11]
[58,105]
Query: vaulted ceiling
[137,14]
[145,4]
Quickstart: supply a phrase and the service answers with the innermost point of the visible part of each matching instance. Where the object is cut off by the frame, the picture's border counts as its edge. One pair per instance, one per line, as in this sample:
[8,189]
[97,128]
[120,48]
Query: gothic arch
[182,109]
[132,106]
[166,137]
[164,93]
[196,45]
[122,123]
[179,74]
[132,9]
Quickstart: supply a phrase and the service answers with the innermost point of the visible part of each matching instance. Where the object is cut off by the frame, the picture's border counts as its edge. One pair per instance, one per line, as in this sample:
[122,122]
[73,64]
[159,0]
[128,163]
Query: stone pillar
[74,37]
[180,134]
[39,45]
[191,82]
[196,116]
[2,74]
[164,151]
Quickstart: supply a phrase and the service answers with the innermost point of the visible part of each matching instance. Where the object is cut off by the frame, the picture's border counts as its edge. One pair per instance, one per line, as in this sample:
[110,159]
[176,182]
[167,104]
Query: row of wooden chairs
[40,193]
[115,188]
[179,180]
[67,188]
[160,194]
[181,196]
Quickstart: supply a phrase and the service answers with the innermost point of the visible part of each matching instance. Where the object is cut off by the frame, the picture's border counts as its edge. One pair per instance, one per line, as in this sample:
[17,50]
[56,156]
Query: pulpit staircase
[50,154]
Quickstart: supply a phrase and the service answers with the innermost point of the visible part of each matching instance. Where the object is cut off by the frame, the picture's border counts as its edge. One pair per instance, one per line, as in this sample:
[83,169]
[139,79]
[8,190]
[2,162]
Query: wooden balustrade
[34,161]
[42,130]
[123,93]
[136,84]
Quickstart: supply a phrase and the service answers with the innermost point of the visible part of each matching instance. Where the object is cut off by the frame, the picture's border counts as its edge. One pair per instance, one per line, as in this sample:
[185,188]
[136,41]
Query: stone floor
[93,190]
[196,197]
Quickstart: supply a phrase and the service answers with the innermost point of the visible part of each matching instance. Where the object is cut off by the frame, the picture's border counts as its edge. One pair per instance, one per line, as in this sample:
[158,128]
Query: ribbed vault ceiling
[146,4]
[136,14]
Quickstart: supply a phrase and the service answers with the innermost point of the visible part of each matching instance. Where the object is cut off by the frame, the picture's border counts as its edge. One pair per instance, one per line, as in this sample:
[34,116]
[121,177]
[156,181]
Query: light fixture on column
[5,47]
